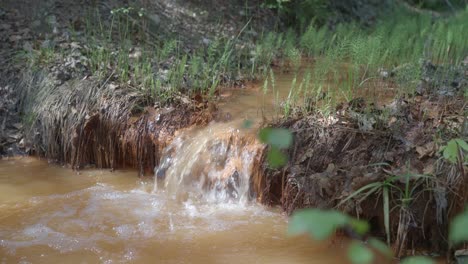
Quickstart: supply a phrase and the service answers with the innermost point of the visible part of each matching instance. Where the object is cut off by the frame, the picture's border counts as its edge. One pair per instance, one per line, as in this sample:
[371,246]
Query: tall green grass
[348,60]
[120,46]
[352,61]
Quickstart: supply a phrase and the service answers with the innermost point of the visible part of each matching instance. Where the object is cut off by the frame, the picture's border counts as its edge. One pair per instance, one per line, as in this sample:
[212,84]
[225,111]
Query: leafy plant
[373,188]
[458,231]
[277,139]
[454,149]
[406,194]
[321,224]
[358,253]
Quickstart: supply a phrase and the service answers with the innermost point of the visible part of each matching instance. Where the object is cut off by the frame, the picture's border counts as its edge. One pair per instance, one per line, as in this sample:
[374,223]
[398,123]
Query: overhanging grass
[351,60]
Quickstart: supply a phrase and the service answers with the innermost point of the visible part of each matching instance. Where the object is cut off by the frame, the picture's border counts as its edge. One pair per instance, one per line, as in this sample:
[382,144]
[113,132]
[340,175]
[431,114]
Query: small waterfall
[213,163]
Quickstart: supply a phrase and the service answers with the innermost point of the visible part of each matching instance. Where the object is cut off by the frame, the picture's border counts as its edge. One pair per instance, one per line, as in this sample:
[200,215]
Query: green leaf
[317,223]
[373,186]
[359,254]
[417,260]
[359,226]
[381,247]
[276,158]
[264,134]
[276,137]
[459,228]
[462,144]
[451,151]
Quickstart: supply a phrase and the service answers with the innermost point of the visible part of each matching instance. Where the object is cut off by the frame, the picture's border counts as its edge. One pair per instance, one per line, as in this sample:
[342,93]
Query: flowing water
[215,163]
[199,210]
[50,214]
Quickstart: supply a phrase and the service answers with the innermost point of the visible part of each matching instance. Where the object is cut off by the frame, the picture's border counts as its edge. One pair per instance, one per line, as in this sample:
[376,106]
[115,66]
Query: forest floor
[46,46]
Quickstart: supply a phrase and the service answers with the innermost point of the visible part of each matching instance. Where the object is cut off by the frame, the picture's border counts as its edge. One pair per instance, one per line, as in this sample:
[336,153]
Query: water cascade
[214,163]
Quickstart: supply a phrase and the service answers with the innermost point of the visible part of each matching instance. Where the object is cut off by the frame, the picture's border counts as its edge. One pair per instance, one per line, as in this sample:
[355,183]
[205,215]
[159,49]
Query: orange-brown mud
[88,123]
[138,142]
[335,157]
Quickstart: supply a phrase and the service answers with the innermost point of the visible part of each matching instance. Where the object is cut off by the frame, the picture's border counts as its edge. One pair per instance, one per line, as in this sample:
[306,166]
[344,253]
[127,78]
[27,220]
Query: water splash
[213,163]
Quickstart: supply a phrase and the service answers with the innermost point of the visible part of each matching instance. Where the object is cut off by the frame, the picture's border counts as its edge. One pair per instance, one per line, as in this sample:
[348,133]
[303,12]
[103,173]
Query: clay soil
[333,158]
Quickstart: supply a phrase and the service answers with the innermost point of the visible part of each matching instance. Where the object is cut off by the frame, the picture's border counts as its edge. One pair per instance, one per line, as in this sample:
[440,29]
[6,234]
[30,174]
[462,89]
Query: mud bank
[49,50]
[90,122]
[346,161]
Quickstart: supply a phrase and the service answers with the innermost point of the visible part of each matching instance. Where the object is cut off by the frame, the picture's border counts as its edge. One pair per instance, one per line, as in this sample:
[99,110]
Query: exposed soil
[88,122]
[62,112]
[332,158]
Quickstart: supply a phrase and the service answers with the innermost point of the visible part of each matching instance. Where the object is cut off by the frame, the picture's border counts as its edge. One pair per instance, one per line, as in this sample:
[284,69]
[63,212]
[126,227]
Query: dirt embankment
[52,104]
[347,161]
[60,111]
[88,122]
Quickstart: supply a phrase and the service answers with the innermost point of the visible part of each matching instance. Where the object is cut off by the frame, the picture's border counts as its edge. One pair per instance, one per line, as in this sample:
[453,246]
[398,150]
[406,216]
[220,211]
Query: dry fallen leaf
[426,150]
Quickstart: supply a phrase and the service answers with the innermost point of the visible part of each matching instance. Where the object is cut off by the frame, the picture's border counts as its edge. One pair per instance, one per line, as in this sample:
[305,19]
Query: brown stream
[51,214]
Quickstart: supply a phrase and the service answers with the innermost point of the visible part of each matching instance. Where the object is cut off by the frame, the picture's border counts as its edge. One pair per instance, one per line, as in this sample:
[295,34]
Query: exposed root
[402,231]
[333,158]
[86,122]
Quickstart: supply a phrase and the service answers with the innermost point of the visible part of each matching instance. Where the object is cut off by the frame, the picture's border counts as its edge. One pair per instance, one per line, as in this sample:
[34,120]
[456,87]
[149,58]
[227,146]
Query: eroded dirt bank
[348,160]
[88,122]
[53,104]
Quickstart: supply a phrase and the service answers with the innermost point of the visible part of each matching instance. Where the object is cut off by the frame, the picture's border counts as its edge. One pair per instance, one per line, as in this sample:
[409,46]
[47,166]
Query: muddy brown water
[51,214]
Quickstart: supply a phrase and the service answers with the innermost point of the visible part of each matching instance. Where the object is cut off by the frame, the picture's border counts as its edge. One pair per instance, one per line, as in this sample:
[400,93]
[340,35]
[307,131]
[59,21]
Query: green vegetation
[453,152]
[278,139]
[322,224]
[351,61]
[160,68]
[458,231]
